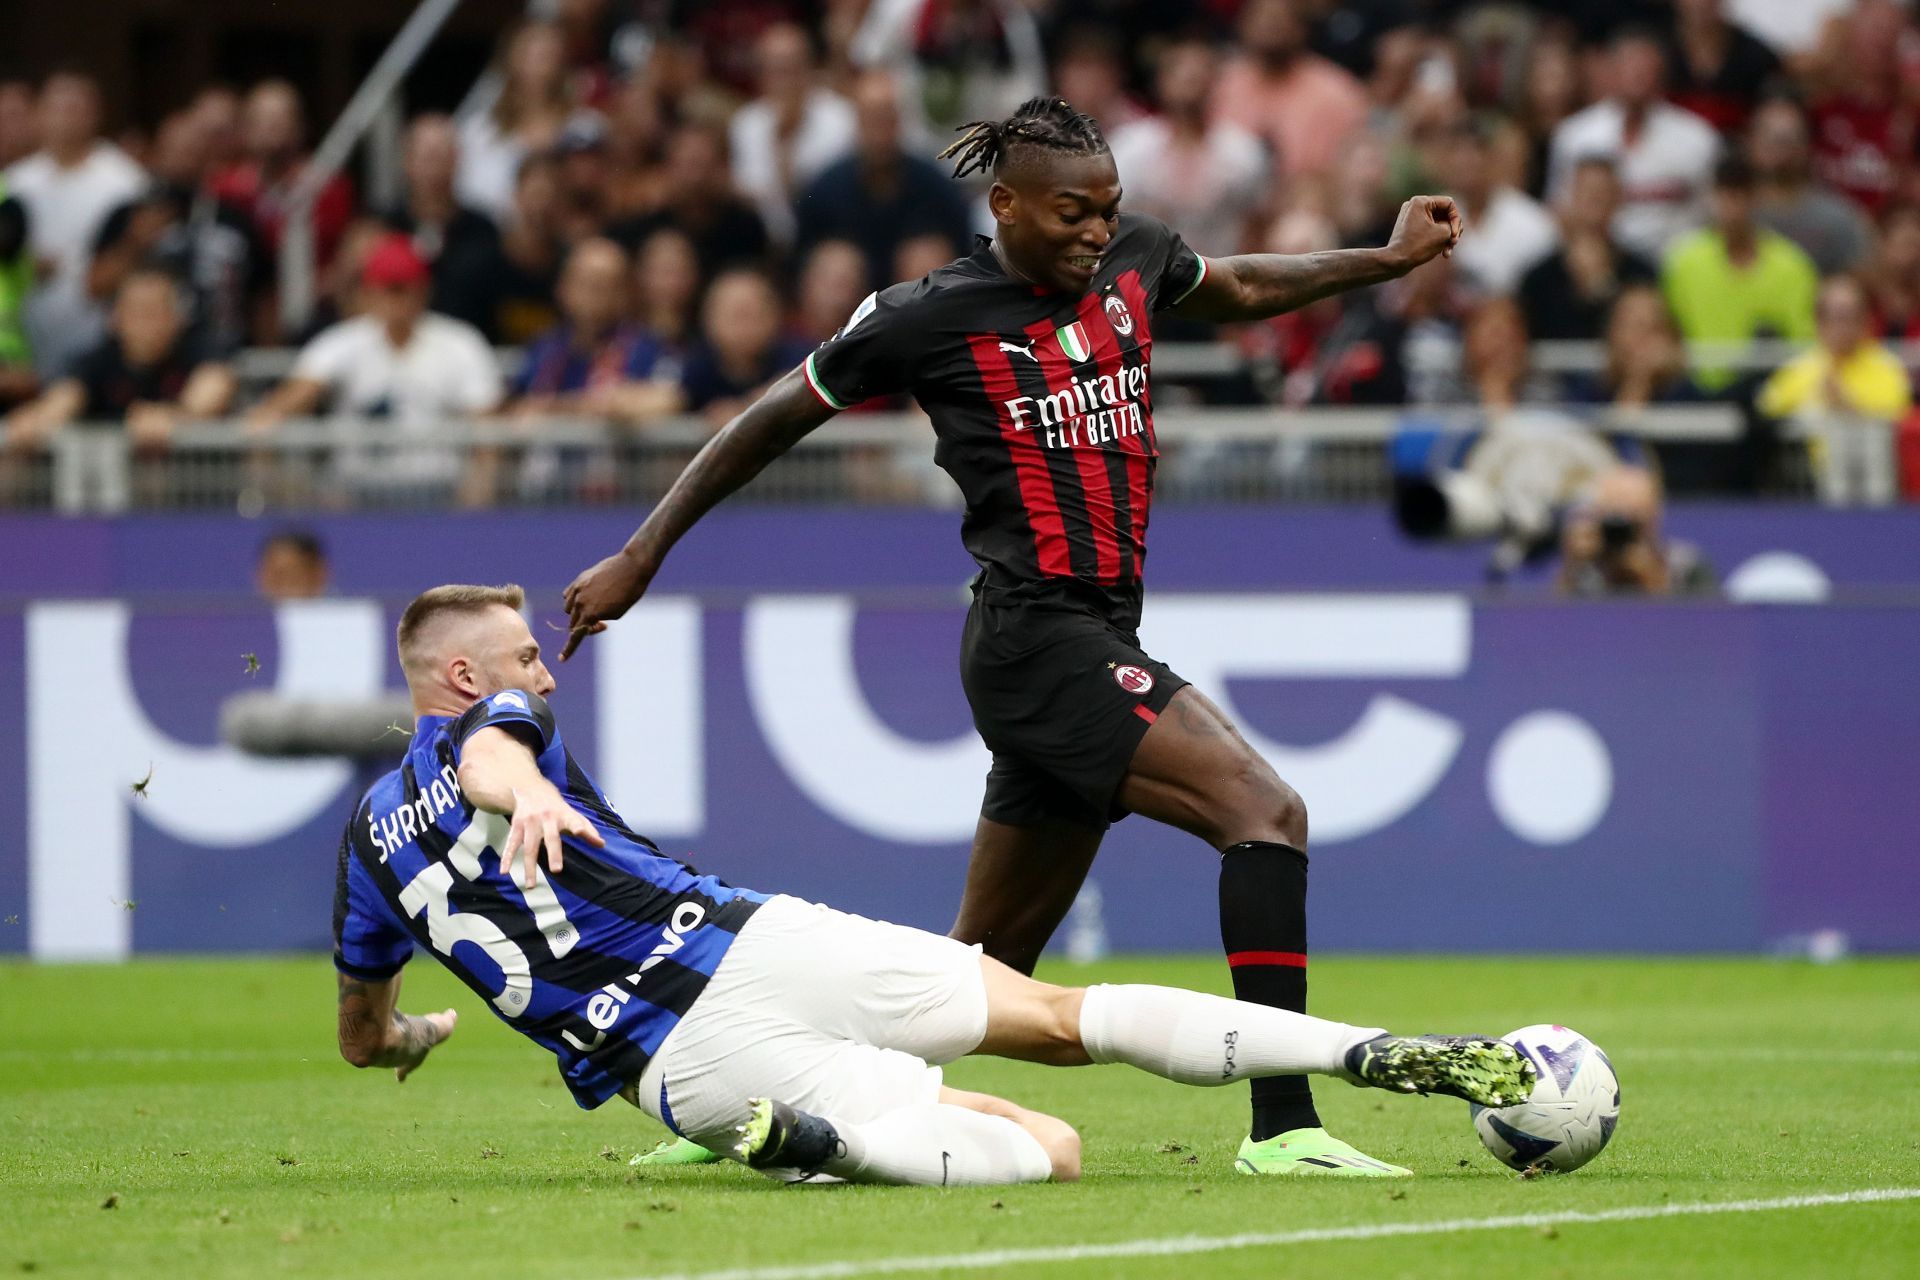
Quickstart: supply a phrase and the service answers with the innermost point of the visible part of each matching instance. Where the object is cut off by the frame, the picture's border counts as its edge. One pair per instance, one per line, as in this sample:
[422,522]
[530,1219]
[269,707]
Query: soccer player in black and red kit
[1031,357]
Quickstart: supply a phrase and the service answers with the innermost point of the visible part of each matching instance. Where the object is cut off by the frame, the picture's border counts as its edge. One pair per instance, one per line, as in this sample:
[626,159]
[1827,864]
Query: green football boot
[1312,1152]
[1480,1069]
[677,1151]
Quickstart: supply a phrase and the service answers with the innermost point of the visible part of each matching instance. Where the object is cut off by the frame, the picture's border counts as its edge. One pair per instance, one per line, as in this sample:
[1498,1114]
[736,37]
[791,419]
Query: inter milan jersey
[596,962]
[1039,399]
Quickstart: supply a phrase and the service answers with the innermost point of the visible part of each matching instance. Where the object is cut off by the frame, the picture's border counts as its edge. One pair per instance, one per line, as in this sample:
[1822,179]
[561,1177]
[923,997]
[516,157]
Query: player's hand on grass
[417,1036]
[1428,227]
[541,817]
[601,594]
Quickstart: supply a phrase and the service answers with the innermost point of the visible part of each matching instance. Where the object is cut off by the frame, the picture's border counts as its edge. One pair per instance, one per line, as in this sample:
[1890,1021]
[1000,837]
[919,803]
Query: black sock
[1263,926]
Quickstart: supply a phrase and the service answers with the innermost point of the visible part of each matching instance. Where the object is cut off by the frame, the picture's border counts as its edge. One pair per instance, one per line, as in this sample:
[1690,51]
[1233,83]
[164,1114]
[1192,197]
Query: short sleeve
[325,359]
[482,387]
[523,714]
[532,368]
[1170,269]
[873,354]
[1788,388]
[368,943]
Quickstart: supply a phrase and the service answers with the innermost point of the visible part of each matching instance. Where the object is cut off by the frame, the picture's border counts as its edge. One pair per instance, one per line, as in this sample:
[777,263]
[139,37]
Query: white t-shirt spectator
[1508,238]
[825,134]
[65,207]
[1664,175]
[1207,192]
[1789,26]
[446,371]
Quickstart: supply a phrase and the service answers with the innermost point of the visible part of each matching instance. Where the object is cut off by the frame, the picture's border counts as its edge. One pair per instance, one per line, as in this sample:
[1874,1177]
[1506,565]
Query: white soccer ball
[1574,1107]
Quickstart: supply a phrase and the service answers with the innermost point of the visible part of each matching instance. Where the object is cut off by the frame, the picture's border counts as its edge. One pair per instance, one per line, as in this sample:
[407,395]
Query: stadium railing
[259,367]
[1208,455]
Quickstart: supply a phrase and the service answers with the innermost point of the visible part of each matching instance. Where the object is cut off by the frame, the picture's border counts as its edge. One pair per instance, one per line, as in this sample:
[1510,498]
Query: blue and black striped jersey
[596,962]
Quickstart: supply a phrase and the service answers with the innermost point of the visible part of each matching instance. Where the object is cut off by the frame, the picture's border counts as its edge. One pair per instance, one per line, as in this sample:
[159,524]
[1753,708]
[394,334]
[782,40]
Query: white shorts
[831,1013]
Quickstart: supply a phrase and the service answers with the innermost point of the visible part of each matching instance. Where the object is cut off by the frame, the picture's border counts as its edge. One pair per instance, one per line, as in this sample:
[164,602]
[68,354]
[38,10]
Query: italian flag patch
[1073,341]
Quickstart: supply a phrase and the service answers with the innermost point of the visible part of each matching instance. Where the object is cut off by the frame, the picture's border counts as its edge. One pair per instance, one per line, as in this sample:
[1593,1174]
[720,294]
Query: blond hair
[451,598]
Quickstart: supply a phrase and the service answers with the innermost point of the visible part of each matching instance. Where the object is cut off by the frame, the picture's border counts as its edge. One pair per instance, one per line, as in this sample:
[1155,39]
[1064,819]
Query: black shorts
[1061,693]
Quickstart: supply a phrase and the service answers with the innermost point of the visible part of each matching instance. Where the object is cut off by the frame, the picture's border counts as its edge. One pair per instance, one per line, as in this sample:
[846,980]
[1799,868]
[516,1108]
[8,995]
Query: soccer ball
[1574,1107]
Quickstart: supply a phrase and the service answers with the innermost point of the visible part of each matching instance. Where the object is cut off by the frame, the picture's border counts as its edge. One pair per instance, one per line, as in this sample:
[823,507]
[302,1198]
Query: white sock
[1202,1039]
[939,1145]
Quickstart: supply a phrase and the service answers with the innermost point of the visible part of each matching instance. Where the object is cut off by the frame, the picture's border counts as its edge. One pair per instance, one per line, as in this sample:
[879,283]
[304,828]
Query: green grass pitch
[191,1118]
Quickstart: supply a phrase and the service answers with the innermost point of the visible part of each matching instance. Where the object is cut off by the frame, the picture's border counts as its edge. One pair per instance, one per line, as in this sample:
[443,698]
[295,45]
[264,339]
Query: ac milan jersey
[1040,401]
[597,962]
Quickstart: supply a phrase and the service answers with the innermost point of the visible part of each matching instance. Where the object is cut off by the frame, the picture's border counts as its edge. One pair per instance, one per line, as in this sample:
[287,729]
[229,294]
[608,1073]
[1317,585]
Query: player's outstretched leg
[1202,1039]
[964,1140]
[1194,771]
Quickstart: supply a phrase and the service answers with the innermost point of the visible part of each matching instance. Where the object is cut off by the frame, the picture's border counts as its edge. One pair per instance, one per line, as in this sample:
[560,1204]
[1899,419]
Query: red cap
[393,262]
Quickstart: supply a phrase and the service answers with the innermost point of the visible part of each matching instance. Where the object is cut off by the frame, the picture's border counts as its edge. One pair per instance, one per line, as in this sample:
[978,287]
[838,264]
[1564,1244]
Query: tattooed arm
[766,429]
[375,1034]
[1255,286]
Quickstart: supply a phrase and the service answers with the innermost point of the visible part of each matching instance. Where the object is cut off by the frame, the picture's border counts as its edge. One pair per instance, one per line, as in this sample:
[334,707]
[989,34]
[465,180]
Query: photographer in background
[1611,544]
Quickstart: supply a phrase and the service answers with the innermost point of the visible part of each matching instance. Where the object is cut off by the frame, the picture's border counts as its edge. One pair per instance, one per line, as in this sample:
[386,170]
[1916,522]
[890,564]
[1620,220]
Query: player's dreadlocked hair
[1049,123]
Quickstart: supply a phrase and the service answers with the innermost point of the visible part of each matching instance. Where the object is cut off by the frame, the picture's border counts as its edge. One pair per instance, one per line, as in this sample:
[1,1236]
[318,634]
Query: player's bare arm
[762,432]
[373,1033]
[498,773]
[1256,286]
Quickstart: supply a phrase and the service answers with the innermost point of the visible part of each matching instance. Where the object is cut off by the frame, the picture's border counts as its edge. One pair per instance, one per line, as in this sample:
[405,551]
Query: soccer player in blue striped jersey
[795,1038]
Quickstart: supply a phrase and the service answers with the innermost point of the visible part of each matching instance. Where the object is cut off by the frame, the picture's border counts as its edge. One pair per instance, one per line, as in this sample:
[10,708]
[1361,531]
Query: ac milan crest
[1118,314]
[1133,679]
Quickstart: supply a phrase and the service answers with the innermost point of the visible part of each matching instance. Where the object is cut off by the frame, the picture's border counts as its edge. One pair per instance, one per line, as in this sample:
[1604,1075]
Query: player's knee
[1061,1143]
[1049,1028]
[1263,807]
[1289,815]
[1060,1026]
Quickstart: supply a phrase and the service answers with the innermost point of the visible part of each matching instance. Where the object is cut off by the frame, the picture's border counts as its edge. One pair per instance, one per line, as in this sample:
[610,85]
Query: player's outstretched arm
[375,1034]
[499,774]
[766,429]
[1256,286]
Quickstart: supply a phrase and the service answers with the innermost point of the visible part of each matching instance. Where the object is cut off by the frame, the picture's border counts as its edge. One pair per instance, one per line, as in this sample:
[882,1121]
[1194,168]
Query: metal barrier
[260,367]
[1207,455]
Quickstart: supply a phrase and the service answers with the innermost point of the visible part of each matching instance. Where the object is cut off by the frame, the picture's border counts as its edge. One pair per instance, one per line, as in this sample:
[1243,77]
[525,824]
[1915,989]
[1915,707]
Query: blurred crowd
[663,205]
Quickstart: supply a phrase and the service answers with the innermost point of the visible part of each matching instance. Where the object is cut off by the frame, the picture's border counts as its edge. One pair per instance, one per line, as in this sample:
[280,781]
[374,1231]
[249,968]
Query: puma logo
[1026,351]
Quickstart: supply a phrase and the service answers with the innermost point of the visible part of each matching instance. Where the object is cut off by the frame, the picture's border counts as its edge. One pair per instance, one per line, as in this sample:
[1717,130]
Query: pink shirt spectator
[1307,111]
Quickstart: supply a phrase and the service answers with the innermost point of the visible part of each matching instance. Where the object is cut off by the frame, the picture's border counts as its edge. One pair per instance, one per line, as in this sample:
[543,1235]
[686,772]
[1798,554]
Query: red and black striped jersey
[1040,400]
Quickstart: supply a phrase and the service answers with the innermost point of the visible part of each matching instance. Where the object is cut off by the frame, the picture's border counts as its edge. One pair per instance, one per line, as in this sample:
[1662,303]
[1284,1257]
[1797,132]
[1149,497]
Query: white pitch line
[1767,1054]
[1178,1245]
